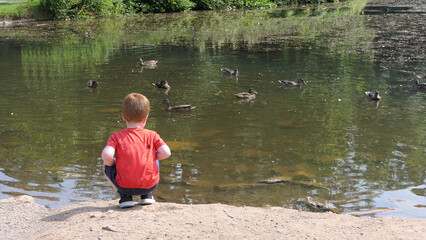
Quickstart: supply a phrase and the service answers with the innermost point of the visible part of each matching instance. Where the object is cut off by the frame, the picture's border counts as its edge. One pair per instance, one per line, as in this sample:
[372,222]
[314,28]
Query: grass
[20,9]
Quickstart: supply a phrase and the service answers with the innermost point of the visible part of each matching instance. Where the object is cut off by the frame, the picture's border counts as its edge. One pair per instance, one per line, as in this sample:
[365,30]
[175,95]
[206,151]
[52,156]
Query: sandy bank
[22,218]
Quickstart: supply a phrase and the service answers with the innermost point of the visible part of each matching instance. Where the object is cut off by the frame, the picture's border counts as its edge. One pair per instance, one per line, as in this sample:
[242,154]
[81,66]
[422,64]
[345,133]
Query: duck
[149,63]
[163,84]
[228,71]
[419,86]
[292,83]
[247,95]
[177,108]
[373,95]
[92,84]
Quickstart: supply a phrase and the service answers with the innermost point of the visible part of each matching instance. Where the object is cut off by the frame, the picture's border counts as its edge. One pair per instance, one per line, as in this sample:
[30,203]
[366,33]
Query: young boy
[135,170]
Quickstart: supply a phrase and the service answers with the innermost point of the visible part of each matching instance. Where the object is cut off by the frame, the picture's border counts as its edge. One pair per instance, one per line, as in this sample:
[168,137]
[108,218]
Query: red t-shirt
[135,151]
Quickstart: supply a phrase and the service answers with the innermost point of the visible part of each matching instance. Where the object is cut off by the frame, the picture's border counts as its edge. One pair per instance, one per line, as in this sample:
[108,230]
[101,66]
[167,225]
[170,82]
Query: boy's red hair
[135,107]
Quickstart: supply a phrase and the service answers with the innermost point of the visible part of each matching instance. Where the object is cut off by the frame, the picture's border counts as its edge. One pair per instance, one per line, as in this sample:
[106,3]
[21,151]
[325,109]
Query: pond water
[322,140]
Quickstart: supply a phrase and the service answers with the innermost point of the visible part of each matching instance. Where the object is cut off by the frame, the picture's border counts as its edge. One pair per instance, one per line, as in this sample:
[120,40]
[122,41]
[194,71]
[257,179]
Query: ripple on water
[399,154]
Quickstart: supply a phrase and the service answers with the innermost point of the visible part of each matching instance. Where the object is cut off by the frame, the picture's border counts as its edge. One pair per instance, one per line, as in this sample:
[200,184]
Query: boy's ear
[123,118]
[145,119]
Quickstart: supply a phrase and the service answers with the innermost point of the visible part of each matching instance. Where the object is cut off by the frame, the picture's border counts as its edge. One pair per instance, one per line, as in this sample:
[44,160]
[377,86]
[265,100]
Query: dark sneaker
[126,201]
[147,199]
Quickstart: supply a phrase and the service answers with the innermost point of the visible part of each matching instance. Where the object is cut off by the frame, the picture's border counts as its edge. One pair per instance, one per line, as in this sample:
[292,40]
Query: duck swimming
[228,71]
[292,83]
[177,108]
[92,84]
[419,86]
[247,95]
[163,84]
[373,95]
[149,63]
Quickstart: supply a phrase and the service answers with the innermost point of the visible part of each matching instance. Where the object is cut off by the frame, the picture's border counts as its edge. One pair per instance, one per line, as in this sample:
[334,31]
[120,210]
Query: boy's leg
[125,200]
[110,173]
[147,199]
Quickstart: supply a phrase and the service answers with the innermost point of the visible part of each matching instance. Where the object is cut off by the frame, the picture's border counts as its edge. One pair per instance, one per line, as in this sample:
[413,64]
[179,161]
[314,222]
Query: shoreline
[5,23]
[22,218]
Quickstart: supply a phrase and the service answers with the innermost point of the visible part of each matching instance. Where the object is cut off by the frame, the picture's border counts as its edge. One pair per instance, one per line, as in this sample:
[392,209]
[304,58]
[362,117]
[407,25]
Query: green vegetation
[21,10]
[63,9]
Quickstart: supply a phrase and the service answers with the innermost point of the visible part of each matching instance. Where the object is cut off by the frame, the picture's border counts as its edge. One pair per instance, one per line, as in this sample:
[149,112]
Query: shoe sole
[147,201]
[126,204]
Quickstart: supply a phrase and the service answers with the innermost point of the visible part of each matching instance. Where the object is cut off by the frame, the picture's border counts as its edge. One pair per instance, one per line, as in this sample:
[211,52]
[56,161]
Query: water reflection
[322,140]
[398,203]
[309,12]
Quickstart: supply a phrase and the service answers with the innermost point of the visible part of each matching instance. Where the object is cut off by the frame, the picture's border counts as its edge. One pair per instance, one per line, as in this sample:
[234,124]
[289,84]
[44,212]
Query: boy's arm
[108,156]
[163,152]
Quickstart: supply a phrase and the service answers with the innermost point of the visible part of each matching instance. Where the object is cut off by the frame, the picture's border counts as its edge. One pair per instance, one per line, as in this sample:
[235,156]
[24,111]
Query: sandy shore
[22,218]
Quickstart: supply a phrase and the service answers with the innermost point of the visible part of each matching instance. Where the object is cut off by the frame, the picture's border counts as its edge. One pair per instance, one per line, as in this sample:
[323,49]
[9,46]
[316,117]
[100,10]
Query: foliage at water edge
[63,9]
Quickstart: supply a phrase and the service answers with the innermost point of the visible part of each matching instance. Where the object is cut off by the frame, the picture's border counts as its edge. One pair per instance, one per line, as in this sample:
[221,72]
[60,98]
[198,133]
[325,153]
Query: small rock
[107,228]
[26,199]
[317,206]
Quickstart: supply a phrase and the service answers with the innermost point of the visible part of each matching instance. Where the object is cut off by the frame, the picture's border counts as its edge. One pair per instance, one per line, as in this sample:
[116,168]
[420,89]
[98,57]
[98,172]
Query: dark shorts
[111,172]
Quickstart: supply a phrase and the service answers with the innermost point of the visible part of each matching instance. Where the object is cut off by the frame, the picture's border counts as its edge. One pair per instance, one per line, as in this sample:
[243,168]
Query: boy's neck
[135,125]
